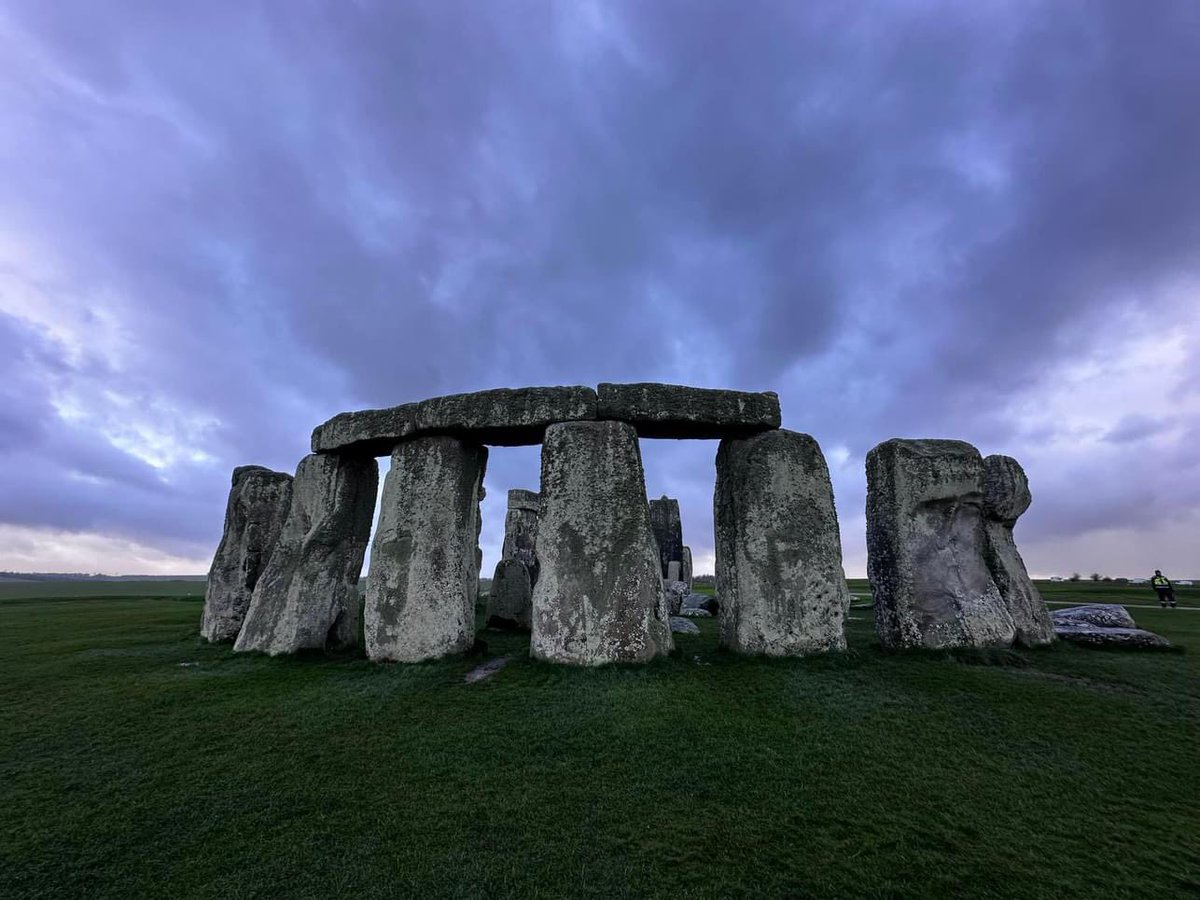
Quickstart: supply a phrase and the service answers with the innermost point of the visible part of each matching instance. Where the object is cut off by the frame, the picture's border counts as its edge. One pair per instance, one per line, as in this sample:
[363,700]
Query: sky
[223,222]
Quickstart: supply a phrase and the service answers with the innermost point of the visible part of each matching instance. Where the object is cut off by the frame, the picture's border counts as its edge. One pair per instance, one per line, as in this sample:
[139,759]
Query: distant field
[13,590]
[136,760]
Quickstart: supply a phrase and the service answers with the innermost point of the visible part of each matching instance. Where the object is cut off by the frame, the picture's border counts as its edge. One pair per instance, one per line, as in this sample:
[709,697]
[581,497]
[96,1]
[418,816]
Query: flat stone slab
[676,411]
[505,417]
[683,626]
[1111,637]
[487,670]
[695,613]
[1097,615]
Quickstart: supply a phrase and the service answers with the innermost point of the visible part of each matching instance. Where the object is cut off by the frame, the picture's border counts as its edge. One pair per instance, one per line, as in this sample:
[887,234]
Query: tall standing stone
[685,574]
[510,600]
[668,532]
[599,595]
[925,548]
[1006,496]
[254,515]
[307,597]
[422,588]
[779,552]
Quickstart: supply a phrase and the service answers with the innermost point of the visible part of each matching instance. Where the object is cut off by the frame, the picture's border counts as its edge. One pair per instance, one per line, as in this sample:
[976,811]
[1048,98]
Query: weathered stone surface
[1098,615]
[675,591]
[1005,497]
[779,553]
[423,584]
[668,532]
[676,411]
[925,548]
[685,573]
[1111,637]
[521,528]
[510,601]
[701,601]
[673,569]
[599,596]
[680,625]
[254,515]
[307,597]
[504,416]
[695,613]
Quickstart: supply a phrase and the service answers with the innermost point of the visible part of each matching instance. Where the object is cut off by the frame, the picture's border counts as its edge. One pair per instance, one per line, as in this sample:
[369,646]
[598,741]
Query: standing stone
[424,581]
[779,552]
[510,600]
[1005,497]
[307,597]
[685,574]
[925,548]
[599,595]
[674,567]
[521,528]
[254,516]
[668,532]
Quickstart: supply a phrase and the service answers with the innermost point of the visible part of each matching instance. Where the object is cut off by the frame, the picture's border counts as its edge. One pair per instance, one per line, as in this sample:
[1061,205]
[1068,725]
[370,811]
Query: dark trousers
[1166,594]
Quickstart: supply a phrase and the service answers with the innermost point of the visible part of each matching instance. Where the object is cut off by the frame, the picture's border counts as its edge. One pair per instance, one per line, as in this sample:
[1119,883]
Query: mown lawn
[136,760]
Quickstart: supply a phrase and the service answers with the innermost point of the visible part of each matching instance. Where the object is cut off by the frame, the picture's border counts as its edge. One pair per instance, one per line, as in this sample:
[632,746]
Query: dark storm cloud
[901,216]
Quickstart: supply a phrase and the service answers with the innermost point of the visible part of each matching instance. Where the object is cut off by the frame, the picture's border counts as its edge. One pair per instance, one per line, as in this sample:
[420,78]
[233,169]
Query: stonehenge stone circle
[510,601]
[925,548]
[599,595]
[307,597]
[1005,497]
[254,515]
[779,553]
[507,417]
[675,411]
[668,532]
[424,580]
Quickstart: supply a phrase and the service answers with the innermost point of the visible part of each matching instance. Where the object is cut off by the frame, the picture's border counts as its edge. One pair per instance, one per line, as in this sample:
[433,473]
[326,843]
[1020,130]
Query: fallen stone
[685,571]
[696,613]
[680,625]
[701,601]
[254,515]
[1005,497]
[506,417]
[1099,615]
[925,548]
[1111,637]
[422,588]
[676,411]
[668,532]
[487,670]
[599,596]
[510,601]
[779,552]
[307,597]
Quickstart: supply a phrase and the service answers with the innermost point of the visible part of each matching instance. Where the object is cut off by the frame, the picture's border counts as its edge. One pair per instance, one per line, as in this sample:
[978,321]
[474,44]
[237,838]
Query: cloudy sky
[222,222]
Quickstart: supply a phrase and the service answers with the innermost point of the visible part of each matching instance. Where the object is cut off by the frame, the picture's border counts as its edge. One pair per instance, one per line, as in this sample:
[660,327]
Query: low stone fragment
[504,416]
[695,613]
[422,589]
[668,532]
[1098,615]
[676,411]
[1111,637]
[1006,497]
[599,595]
[307,597]
[779,553]
[675,591]
[510,601]
[925,548]
[701,601]
[680,625]
[254,516]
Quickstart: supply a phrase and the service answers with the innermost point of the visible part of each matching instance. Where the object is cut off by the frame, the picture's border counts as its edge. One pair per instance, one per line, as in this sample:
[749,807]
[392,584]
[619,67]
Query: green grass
[125,772]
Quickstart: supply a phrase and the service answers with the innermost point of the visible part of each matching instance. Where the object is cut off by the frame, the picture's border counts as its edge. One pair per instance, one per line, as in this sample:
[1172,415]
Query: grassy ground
[137,761]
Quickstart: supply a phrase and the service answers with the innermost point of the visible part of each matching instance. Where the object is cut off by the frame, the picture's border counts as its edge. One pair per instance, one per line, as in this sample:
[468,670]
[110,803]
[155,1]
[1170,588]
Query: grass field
[135,760]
